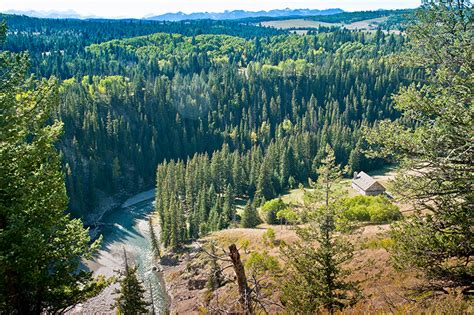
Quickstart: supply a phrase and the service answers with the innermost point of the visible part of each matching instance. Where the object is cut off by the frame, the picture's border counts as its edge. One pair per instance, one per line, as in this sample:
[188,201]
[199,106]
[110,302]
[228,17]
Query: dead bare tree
[244,290]
[251,296]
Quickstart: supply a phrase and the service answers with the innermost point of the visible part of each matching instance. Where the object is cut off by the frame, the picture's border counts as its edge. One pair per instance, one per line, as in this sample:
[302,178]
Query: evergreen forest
[135,94]
[227,155]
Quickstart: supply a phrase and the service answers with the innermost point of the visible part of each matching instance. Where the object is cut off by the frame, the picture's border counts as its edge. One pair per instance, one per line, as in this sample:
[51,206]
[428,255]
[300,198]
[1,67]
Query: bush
[371,209]
[270,209]
[269,237]
[384,213]
[357,213]
[257,264]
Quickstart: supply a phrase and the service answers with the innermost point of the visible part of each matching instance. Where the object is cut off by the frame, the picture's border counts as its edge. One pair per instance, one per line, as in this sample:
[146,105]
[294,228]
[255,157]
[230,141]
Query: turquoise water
[127,228]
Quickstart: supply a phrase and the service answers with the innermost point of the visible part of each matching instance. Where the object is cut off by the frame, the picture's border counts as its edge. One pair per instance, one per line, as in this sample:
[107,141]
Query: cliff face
[185,276]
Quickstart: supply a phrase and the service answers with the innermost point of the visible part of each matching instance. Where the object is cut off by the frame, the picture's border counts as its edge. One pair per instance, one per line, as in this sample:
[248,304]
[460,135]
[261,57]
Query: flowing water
[126,228]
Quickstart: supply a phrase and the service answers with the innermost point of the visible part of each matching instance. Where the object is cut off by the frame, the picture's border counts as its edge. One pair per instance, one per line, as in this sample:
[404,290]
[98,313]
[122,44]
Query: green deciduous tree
[271,208]
[433,140]
[40,245]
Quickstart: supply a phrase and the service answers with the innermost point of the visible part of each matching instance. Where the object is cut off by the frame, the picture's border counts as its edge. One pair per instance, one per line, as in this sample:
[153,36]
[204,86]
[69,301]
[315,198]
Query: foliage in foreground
[40,245]
[317,276]
[437,155]
[131,294]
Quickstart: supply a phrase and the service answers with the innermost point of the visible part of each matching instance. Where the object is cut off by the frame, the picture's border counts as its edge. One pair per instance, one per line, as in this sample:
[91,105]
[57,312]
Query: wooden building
[366,185]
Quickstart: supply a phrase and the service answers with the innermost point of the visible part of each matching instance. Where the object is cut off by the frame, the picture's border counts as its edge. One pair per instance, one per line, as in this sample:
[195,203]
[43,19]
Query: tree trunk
[244,289]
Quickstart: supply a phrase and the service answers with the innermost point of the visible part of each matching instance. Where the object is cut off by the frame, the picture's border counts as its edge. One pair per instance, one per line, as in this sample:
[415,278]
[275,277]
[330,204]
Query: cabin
[366,185]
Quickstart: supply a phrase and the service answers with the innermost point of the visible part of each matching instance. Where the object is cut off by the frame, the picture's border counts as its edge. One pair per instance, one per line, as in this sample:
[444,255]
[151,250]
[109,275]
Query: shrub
[269,237]
[372,209]
[258,264]
[384,213]
[357,213]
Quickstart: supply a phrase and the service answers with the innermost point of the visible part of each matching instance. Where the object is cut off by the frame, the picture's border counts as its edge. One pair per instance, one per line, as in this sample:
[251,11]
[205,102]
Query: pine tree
[237,175]
[284,169]
[228,210]
[250,217]
[155,245]
[213,222]
[355,159]
[265,190]
[202,212]
[131,299]
[174,224]
[317,279]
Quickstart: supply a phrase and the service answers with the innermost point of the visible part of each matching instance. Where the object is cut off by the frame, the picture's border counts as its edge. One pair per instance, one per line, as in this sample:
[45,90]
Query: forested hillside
[254,139]
[129,104]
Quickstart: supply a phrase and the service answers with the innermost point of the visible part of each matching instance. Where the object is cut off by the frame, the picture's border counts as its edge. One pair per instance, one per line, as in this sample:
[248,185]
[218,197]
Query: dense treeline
[351,17]
[130,104]
[197,196]
[277,140]
[183,95]
[56,44]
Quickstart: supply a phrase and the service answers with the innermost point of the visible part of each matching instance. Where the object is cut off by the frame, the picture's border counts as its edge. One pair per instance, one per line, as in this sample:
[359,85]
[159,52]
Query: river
[126,228]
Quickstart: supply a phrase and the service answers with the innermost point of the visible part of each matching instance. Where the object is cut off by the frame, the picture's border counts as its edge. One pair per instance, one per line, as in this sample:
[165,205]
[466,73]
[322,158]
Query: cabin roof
[366,182]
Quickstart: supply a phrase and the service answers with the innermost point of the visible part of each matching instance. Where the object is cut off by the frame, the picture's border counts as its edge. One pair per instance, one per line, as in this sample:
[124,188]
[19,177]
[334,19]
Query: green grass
[294,196]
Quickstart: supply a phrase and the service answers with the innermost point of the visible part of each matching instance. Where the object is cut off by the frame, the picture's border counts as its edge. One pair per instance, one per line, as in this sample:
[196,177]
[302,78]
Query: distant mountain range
[180,16]
[240,14]
[69,14]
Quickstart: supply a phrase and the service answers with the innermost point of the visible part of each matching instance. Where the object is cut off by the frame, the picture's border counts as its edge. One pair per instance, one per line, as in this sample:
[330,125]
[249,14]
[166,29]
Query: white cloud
[139,8]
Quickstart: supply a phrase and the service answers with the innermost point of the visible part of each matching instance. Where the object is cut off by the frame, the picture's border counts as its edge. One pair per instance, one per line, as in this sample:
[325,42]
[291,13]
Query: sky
[140,8]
